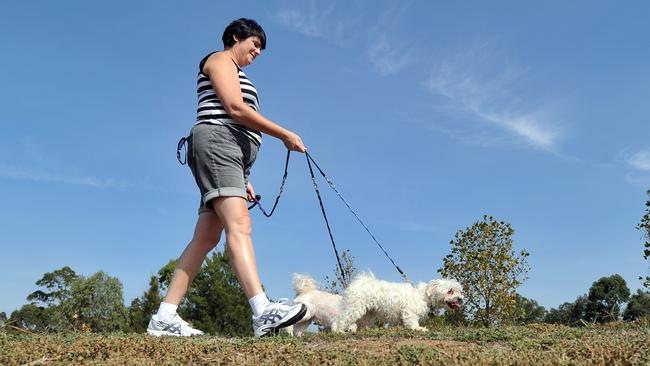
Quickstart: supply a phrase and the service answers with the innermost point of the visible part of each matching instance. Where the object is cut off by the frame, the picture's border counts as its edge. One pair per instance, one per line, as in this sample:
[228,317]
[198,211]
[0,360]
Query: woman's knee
[239,225]
[208,230]
[207,240]
[209,244]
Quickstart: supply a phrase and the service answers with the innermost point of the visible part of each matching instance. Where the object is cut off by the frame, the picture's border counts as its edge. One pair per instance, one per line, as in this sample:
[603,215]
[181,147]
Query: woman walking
[222,147]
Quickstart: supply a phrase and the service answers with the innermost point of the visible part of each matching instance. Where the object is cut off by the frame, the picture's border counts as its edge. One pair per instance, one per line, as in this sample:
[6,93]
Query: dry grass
[616,344]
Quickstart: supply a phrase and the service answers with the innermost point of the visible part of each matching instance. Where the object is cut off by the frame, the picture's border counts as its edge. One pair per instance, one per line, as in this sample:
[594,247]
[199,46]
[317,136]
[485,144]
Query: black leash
[333,186]
[277,198]
[322,208]
[310,160]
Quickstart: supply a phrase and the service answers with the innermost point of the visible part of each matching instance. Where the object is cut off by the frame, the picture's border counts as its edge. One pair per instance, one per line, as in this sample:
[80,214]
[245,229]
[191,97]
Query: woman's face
[246,50]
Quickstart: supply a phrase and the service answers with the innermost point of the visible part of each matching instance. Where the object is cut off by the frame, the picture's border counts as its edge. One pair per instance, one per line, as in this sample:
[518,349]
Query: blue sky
[427,115]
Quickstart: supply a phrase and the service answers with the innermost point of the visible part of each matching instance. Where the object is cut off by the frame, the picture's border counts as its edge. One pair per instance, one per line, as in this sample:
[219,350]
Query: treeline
[482,259]
[604,302]
[608,299]
[67,301]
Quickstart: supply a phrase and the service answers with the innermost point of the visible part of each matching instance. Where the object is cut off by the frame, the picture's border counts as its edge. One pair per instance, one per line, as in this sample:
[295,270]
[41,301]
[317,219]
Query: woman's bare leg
[206,236]
[233,214]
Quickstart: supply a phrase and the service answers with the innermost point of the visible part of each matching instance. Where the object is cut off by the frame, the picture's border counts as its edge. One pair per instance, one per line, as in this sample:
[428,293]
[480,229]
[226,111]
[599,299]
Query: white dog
[369,299]
[322,307]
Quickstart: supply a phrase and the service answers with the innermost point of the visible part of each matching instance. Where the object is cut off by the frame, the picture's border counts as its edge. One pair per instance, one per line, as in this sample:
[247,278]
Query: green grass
[613,344]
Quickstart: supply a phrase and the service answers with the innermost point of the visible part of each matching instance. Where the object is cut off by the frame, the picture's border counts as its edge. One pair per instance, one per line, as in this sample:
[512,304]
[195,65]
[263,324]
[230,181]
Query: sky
[427,115]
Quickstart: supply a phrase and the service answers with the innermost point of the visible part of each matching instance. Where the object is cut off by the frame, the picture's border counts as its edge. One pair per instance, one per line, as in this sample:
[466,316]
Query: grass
[538,344]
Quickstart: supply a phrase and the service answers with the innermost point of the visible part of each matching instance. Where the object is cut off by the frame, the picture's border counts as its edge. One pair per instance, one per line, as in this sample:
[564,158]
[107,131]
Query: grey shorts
[220,158]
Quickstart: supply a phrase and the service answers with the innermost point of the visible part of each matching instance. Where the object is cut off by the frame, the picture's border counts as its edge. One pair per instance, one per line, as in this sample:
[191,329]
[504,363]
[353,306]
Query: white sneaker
[175,327]
[277,316]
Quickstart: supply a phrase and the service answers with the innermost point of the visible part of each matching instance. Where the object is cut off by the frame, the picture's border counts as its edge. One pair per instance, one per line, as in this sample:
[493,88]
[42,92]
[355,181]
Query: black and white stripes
[210,109]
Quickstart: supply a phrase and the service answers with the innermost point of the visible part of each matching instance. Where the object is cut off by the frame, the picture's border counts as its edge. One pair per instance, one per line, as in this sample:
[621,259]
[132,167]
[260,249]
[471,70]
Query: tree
[71,302]
[31,317]
[606,296]
[556,316]
[483,261]
[144,306]
[638,306]
[3,319]
[569,313]
[97,304]
[644,226]
[58,283]
[341,280]
[578,311]
[165,274]
[456,317]
[215,303]
[48,310]
[528,311]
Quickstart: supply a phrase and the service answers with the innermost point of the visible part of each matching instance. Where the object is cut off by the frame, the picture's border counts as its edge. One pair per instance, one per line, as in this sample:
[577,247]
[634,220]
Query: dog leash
[333,186]
[322,208]
[257,197]
[182,159]
[183,141]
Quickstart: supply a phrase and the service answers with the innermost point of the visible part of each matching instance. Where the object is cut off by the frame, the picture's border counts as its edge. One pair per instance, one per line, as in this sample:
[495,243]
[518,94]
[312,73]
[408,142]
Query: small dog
[322,307]
[369,300]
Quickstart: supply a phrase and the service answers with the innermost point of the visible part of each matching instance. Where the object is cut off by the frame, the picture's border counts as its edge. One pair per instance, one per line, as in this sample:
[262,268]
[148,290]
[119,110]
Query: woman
[222,147]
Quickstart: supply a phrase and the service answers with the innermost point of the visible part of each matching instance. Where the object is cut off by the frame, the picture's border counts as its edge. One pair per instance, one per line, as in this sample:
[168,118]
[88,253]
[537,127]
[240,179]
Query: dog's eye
[450,292]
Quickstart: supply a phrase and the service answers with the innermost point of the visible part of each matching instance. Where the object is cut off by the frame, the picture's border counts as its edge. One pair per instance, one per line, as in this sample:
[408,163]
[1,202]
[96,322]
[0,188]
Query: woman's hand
[250,192]
[293,142]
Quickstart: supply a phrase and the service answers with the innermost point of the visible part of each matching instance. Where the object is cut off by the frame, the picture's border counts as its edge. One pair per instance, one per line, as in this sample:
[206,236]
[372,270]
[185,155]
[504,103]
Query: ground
[613,344]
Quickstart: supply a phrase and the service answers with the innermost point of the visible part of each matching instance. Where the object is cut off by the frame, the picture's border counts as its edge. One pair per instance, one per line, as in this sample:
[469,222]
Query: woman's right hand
[293,142]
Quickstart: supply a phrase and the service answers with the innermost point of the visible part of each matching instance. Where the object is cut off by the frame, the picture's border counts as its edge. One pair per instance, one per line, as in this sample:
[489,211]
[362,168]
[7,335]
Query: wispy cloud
[388,52]
[636,178]
[336,24]
[475,84]
[527,126]
[306,23]
[388,57]
[33,164]
[312,19]
[34,176]
[640,160]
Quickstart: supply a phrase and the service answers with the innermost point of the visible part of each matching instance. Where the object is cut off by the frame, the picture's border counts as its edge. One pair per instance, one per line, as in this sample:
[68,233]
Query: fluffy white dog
[322,307]
[371,300]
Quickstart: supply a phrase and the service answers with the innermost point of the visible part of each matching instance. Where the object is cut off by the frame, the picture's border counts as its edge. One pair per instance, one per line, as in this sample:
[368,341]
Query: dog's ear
[432,287]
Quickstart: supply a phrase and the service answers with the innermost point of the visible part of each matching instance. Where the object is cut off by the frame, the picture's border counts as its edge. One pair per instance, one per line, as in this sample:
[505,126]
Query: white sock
[258,303]
[166,311]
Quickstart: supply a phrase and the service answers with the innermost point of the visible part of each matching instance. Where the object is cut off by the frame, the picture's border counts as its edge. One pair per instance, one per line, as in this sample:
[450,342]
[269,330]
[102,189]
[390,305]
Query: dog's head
[444,292]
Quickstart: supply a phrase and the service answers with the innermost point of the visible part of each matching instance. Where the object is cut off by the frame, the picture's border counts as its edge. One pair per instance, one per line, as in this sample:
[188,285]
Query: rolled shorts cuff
[221,192]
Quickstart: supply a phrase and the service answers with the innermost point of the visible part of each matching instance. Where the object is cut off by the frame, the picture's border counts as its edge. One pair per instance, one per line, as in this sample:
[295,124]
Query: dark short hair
[243,28]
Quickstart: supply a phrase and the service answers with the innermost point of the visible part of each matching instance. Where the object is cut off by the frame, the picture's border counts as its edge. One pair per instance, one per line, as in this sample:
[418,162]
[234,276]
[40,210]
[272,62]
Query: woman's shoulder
[220,57]
[217,59]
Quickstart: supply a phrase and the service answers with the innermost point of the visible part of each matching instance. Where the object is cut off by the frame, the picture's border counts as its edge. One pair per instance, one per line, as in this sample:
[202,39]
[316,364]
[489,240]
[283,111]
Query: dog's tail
[302,284]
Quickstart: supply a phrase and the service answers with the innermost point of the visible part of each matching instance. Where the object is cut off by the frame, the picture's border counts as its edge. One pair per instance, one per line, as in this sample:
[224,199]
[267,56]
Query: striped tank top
[210,109]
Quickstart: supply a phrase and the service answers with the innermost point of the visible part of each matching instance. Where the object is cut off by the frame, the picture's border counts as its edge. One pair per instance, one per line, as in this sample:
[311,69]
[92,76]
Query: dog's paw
[338,328]
[335,328]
